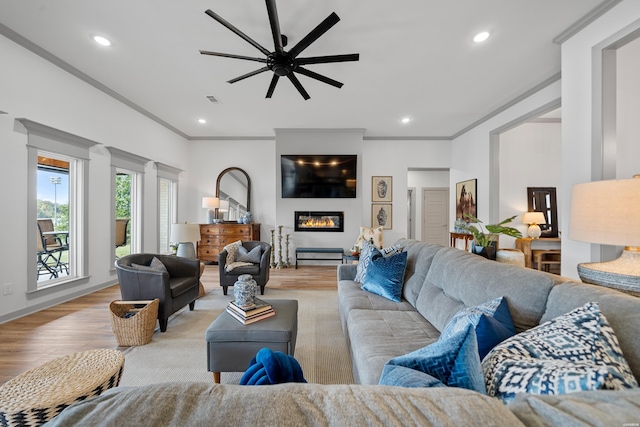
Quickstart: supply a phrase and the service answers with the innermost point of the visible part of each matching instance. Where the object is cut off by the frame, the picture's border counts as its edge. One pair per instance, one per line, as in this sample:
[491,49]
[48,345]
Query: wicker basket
[137,329]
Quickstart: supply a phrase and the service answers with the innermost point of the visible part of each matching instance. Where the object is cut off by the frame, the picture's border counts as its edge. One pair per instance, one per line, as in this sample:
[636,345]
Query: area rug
[180,354]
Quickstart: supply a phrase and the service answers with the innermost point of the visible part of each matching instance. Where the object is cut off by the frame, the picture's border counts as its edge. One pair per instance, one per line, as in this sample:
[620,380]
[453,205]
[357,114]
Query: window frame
[45,139]
[171,174]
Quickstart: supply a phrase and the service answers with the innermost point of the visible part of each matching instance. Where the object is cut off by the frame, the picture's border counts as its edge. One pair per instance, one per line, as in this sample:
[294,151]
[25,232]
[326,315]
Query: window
[58,164]
[127,171]
[167,204]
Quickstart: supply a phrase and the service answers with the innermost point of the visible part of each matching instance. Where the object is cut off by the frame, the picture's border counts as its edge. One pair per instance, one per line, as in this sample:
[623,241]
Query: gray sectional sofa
[438,282]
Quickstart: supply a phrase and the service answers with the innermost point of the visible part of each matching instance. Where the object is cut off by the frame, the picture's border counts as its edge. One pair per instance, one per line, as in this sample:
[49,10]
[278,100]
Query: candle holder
[273,251]
[280,262]
[286,242]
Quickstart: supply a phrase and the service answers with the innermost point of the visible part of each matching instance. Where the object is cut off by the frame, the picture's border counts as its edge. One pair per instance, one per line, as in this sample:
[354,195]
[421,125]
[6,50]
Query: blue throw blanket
[269,367]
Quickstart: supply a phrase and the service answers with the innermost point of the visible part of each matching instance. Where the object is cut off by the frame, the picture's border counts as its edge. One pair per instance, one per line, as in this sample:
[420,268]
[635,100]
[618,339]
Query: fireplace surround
[323,221]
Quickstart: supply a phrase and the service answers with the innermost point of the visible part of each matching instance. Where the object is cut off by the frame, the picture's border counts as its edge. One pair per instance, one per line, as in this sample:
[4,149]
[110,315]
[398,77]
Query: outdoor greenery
[46,209]
[123,196]
[485,238]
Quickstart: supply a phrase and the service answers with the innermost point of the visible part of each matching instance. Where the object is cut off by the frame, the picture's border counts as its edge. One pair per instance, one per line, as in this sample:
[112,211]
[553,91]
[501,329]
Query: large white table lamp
[608,213]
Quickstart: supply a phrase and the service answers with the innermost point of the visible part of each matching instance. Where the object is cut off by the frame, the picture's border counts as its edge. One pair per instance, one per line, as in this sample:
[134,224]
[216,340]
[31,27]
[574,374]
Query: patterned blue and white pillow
[385,275]
[365,258]
[492,322]
[573,352]
[453,362]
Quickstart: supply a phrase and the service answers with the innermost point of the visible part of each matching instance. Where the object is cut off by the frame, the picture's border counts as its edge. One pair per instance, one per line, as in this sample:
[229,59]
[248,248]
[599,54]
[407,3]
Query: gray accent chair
[260,272]
[175,289]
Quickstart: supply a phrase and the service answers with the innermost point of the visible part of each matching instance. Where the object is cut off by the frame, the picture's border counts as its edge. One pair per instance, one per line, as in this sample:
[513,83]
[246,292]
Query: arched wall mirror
[543,199]
[233,185]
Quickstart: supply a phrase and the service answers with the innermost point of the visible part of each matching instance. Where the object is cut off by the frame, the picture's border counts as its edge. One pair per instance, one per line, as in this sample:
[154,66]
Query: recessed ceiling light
[202,121]
[480,37]
[102,40]
[405,120]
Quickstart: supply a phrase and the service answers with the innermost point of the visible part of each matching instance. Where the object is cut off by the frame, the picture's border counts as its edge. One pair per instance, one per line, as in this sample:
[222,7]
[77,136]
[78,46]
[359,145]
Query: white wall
[472,153]
[35,89]
[578,104]
[530,156]
[628,108]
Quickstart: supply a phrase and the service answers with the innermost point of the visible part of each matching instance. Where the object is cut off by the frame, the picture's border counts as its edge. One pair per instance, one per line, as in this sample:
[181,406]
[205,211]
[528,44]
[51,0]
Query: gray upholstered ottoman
[231,345]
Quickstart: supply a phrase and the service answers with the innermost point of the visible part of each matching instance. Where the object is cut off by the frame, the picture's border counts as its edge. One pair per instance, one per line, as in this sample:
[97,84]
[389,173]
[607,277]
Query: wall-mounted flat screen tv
[318,176]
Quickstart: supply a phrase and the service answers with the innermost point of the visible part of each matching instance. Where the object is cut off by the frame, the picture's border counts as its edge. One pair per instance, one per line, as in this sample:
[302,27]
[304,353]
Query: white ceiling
[417,59]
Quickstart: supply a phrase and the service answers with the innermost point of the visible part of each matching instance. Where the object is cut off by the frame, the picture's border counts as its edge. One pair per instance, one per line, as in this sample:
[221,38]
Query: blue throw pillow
[249,256]
[454,362]
[491,320]
[405,377]
[365,258]
[385,275]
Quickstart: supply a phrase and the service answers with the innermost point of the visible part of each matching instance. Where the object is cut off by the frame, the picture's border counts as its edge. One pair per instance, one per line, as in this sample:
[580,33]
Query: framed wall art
[381,189]
[466,193]
[381,215]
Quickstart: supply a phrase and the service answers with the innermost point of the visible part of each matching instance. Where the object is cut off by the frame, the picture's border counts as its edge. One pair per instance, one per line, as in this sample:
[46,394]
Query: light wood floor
[84,323]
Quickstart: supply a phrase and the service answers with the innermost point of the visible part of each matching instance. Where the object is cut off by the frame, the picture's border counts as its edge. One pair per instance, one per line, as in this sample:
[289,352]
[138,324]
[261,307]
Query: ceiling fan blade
[275,25]
[230,55]
[329,58]
[322,28]
[320,77]
[237,31]
[298,86]
[272,86]
[253,73]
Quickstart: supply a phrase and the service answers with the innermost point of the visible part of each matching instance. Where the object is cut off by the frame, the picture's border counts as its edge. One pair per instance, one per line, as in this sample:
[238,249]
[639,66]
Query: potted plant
[484,242]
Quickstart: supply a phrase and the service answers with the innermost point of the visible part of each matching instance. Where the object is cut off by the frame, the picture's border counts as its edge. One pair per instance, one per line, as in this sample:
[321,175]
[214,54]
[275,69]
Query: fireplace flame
[318,223]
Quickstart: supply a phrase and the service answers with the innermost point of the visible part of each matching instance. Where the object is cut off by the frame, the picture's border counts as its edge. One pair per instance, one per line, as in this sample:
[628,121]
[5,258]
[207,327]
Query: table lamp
[606,212]
[533,219]
[184,235]
[210,203]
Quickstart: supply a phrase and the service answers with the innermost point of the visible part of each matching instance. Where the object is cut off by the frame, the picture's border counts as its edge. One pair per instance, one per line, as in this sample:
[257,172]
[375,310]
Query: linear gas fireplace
[319,221]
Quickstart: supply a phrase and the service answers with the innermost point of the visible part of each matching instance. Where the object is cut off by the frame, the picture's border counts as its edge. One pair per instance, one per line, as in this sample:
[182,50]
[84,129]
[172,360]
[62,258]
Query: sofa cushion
[573,352]
[385,275]
[292,404]
[622,312]
[419,258]
[491,320]
[459,279]
[379,335]
[453,361]
[592,408]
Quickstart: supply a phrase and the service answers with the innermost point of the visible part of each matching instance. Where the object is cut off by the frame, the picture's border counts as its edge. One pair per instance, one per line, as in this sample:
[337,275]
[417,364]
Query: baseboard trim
[53,302]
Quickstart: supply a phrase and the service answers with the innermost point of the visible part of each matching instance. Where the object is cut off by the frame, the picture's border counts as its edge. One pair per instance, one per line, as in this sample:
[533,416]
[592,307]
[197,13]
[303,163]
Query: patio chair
[50,248]
[121,231]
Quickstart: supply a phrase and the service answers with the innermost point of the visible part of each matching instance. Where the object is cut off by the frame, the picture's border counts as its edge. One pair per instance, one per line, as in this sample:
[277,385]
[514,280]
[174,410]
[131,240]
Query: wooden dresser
[214,237]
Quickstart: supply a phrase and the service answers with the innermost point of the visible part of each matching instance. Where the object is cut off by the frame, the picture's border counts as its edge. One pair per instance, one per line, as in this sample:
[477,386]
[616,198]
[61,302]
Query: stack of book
[252,313]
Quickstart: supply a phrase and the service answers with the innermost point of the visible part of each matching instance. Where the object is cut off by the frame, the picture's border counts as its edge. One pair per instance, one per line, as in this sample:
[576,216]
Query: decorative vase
[489,252]
[244,290]
[248,218]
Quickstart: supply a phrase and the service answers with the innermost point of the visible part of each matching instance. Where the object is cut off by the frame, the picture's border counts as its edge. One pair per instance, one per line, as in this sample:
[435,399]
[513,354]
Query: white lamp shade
[210,202]
[224,206]
[534,218]
[606,212]
[185,233]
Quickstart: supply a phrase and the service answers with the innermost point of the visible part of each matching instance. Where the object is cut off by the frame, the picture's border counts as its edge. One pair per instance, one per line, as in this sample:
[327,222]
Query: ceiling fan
[281,62]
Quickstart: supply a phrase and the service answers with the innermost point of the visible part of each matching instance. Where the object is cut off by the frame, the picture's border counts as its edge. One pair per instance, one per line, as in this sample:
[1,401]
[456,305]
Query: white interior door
[435,215]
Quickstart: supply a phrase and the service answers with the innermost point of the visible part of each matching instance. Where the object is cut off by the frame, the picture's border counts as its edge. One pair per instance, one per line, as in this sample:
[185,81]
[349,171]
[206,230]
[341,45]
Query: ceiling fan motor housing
[280,64]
